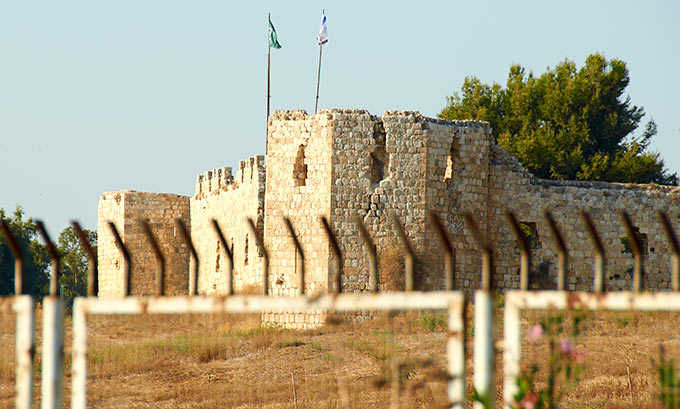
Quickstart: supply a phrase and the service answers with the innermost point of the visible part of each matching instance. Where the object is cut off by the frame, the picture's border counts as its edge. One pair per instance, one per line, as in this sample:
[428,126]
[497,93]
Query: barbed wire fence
[486,338]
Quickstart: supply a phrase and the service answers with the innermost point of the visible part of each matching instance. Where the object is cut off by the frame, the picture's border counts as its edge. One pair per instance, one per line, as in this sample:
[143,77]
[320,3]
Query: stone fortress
[343,163]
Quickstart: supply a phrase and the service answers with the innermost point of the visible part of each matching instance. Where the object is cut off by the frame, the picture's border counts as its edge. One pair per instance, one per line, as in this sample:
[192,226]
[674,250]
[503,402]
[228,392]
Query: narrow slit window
[378,165]
[448,173]
[217,258]
[300,168]
[245,259]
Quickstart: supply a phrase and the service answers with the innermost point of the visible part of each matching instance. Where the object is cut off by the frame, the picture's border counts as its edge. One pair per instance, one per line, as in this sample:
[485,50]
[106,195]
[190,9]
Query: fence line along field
[358,356]
[220,360]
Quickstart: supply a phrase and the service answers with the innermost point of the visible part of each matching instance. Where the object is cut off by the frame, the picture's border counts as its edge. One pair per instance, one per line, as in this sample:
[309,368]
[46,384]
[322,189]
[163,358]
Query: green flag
[273,41]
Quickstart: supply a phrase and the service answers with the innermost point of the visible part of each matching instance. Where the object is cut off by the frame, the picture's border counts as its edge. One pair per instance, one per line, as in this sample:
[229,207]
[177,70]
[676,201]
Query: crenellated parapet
[213,181]
[229,200]
[250,171]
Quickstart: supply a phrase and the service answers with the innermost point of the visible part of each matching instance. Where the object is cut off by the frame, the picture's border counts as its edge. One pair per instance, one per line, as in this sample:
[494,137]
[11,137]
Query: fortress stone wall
[127,208]
[512,188]
[230,201]
[344,163]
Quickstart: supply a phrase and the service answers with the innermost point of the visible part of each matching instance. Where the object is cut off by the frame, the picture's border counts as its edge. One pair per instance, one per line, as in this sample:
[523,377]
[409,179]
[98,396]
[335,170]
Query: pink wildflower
[566,348]
[536,332]
[581,355]
[529,401]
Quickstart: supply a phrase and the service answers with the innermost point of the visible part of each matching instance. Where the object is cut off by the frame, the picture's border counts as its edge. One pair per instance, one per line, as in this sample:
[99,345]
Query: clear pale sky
[99,96]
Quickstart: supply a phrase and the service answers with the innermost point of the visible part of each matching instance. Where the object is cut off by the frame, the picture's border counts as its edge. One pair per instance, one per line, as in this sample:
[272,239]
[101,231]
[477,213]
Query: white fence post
[455,351]
[24,306]
[484,350]
[512,341]
[79,358]
[53,353]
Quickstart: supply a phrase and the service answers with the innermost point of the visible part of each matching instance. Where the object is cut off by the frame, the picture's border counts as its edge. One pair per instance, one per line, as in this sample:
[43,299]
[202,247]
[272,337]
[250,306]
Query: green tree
[567,123]
[74,263]
[36,258]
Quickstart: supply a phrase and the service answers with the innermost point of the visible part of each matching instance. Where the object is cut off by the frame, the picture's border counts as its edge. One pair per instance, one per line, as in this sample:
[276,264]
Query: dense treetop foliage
[73,263]
[567,123]
[36,258]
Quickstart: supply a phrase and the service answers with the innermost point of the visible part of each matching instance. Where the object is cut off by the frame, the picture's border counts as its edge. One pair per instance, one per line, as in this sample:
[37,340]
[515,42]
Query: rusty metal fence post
[337,255]
[193,272]
[562,256]
[372,255]
[636,246]
[598,281]
[409,254]
[449,252]
[524,248]
[230,257]
[299,267]
[265,254]
[160,273]
[127,260]
[92,270]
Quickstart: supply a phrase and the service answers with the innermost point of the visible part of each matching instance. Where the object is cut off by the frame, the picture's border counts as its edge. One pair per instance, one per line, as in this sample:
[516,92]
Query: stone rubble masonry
[346,163]
[126,209]
[299,170]
[512,188]
[229,201]
[359,164]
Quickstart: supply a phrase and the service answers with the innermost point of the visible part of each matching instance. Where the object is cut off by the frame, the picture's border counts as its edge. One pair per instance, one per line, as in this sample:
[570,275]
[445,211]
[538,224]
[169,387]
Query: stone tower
[343,163]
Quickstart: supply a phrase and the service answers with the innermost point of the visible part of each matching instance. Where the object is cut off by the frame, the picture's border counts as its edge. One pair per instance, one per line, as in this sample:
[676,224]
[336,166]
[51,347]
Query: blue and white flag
[323,31]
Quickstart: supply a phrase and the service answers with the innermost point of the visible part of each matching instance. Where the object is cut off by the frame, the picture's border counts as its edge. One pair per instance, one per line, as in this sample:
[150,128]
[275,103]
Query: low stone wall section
[230,201]
[126,209]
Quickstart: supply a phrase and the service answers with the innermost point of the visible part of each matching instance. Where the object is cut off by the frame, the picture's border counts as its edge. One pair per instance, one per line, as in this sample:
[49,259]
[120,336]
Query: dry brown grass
[391,268]
[250,289]
[7,362]
[213,361]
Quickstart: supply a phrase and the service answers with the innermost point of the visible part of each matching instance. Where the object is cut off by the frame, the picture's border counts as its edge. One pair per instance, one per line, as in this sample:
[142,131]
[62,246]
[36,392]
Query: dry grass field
[229,361]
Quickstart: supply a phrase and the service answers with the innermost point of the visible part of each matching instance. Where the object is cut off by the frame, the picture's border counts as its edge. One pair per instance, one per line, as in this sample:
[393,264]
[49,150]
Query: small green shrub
[433,321]
[669,381]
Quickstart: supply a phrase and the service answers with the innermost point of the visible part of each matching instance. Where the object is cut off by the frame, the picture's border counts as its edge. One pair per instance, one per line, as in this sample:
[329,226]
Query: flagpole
[318,77]
[269,96]
[269,56]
